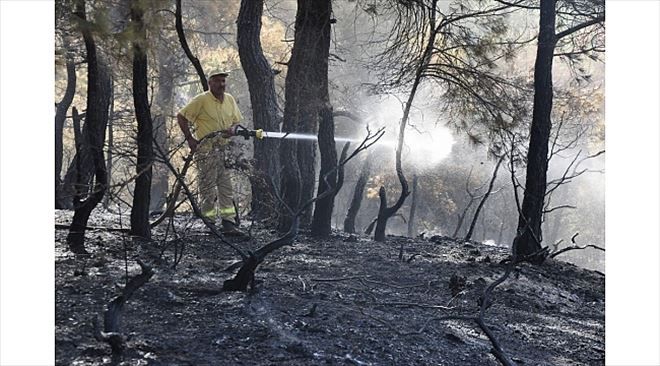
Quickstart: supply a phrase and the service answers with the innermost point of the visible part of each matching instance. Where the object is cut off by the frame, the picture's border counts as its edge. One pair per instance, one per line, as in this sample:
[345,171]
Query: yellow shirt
[208,114]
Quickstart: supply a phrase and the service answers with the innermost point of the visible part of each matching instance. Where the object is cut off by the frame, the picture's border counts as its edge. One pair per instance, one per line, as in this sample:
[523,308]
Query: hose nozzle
[242,131]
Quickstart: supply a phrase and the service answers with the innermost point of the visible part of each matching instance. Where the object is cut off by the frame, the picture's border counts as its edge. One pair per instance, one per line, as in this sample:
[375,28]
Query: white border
[633,184]
[27,315]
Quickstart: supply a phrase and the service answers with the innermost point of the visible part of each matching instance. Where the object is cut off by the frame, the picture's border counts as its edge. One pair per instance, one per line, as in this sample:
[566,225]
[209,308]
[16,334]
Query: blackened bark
[306,86]
[142,193]
[529,223]
[98,100]
[261,84]
[80,173]
[381,220]
[60,118]
[413,206]
[109,156]
[81,157]
[358,193]
[322,220]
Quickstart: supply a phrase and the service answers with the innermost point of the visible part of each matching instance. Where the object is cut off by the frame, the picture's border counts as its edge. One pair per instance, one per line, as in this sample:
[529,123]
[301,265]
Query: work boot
[230,229]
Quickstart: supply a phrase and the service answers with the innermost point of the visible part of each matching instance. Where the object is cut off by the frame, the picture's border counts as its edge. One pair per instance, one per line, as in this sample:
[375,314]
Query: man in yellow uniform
[208,112]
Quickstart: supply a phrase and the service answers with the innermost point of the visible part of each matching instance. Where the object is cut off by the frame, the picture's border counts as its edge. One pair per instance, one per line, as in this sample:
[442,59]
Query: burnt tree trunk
[528,240]
[306,86]
[322,220]
[413,207]
[98,100]
[60,118]
[385,212]
[468,236]
[358,194]
[142,193]
[80,173]
[261,84]
[109,155]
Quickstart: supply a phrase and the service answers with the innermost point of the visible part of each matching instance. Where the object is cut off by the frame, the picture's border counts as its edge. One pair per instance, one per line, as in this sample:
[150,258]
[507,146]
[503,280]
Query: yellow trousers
[214,181]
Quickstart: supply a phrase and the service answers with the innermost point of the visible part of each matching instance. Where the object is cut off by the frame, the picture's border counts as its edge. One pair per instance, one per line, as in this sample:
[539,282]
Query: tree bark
[358,194]
[413,207]
[60,118]
[322,220]
[261,84]
[142,193]
[529,222]
[80,173]
[98,100]
[109,156]
[306,85]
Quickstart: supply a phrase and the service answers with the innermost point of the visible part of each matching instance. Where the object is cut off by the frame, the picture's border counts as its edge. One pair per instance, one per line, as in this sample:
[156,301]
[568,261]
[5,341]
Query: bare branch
[576,28]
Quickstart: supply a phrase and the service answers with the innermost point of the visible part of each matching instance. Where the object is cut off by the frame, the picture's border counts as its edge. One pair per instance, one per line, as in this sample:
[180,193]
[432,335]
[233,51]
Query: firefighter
[212,111]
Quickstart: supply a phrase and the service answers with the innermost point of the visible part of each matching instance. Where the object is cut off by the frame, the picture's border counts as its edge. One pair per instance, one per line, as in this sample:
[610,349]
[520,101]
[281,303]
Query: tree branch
[576,28]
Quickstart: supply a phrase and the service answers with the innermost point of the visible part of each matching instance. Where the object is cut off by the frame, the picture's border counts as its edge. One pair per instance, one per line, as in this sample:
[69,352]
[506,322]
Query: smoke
[426,143]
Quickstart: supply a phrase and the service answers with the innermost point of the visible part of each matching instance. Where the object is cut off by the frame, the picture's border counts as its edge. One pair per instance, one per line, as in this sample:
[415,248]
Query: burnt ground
[346,300]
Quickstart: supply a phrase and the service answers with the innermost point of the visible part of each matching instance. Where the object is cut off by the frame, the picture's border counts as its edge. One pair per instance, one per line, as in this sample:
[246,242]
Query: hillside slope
[346,300]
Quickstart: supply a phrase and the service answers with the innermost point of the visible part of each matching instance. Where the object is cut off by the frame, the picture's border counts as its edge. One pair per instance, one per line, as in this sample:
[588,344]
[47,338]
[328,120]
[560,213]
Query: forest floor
[347,300]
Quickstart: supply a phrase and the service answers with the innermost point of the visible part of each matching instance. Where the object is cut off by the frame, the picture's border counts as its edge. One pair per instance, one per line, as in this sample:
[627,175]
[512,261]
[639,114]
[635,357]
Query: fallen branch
[575,247]
[112,316]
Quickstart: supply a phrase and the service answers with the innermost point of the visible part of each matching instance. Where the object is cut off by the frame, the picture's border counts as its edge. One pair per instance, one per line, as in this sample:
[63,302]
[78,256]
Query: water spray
[260,134]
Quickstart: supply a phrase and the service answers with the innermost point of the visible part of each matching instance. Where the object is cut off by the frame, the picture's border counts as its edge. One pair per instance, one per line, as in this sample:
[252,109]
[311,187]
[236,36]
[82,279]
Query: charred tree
[413,206]
[78,179]
[306,87]
[60,118]
[385,212]
[529,238]
[98,100]
[463,214]
[322,220]
[142,193]
[468,236]
[109,156]
[261,83]
[529,222]
[358,194]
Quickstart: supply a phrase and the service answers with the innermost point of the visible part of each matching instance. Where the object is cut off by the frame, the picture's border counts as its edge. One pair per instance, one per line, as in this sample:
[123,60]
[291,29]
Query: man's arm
[183,124]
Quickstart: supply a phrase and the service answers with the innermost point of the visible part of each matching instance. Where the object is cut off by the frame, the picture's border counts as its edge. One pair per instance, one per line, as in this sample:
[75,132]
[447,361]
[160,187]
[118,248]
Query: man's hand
[183,124]
[230,132]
